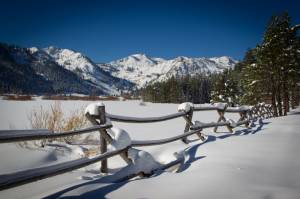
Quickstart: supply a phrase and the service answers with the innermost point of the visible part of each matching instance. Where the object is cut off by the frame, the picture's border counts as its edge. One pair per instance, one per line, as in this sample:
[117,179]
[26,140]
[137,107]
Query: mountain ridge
[142,70]
[43,73]
[59,70]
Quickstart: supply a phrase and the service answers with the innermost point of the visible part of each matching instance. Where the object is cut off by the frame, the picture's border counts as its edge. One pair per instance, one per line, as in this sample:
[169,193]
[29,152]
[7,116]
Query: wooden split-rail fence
[100,123]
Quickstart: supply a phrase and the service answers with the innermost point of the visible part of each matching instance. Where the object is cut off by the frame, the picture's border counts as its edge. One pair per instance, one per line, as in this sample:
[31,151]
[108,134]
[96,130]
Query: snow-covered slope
[142,70]
[86,69]
[57,71]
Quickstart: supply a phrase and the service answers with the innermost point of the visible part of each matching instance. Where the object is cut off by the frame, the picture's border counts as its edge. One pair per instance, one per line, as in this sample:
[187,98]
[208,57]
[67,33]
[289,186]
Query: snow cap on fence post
[185,107]
[93,109]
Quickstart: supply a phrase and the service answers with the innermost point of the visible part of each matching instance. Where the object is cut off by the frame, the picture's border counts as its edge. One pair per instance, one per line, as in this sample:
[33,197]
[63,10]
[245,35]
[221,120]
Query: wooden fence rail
[119,118]
[98,117]
[7,136]
[31,175]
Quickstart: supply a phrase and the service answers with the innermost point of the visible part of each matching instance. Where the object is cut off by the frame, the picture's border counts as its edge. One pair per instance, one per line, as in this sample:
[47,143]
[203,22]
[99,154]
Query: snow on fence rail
[121,141]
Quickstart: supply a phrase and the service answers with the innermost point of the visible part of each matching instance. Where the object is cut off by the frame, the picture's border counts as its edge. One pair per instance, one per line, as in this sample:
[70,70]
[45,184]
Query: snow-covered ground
[261,162]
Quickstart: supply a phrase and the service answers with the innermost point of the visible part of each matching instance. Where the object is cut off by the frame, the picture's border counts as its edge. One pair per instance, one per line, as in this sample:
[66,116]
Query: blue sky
[109,30]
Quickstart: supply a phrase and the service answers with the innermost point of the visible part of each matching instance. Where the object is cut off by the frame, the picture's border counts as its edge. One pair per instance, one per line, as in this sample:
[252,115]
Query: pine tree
[273,70]
[280,47]
[226,87]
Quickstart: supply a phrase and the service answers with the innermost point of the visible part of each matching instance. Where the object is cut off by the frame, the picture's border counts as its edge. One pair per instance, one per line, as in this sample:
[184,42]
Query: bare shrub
[47,119]
[18,97]
[55,120]
[83,98]
[76,120]
[70,97]
[110,98]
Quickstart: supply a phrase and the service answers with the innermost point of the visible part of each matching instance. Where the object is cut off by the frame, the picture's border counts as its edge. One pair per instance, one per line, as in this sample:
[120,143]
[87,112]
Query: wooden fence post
[250,116]
[188,118]
[103,143]
[263,107]
[104,136]
[221,117]
[257,111]
[271,111]
[261,114]
[243,116]
[254,113]
[267,111]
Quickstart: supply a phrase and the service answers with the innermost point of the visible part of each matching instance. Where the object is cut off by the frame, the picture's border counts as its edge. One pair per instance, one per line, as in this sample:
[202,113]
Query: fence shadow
[111,183]
[191,151]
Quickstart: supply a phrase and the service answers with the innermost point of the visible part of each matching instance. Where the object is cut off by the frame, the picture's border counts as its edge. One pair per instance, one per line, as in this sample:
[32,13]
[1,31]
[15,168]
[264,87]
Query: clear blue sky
[108,30]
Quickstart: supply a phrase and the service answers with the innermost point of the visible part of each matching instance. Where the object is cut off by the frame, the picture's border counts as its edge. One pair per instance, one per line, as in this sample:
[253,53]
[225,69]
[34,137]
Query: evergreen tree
[194,89]
[226,87]
[271,70]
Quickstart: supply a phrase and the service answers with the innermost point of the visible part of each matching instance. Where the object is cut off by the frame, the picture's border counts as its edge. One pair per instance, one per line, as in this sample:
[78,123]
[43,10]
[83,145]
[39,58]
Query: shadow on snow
[111,183]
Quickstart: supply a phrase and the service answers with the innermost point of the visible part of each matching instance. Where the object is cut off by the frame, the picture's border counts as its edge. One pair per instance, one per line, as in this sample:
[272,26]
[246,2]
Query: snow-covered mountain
[53,70]
[59,70]
[85,69]
[142,70]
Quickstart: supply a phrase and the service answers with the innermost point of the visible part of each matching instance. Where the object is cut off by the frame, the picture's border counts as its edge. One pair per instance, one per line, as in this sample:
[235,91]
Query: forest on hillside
[269,72]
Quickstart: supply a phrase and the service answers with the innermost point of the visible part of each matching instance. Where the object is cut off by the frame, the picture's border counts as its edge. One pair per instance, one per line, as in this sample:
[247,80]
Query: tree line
[269,72]
[194,89]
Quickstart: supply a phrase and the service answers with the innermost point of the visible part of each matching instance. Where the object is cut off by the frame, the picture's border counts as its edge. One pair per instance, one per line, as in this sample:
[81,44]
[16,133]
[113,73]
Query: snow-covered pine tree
[251,78]
[226,87]
[278,54]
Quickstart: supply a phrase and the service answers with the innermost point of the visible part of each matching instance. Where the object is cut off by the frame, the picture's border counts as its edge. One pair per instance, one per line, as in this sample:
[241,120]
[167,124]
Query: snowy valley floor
[262,162]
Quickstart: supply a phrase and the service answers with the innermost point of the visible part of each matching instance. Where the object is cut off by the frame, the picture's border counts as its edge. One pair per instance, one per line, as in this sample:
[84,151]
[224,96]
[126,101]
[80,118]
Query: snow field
[253,163]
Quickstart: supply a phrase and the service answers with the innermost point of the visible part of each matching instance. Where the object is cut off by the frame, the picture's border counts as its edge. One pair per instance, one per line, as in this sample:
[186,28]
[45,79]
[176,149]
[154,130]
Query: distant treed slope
[63,81]
[143,70]
[37,71]
[20,78]
[34,73]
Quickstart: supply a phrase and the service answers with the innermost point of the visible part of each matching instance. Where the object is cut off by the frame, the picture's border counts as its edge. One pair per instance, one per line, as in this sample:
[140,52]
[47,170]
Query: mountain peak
[33,50]
[224,60]
[141,70]
[51,49]
[181,58]
[138,55]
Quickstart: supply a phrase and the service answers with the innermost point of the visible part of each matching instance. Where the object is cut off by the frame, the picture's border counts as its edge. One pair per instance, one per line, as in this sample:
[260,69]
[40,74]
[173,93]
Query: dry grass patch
[57,121]
[18,97]
[83,98]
